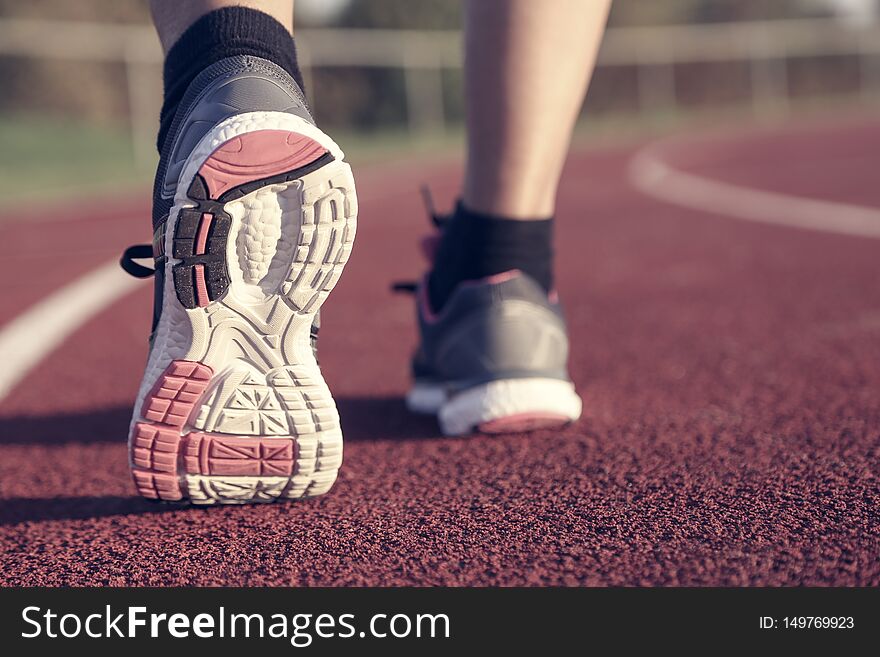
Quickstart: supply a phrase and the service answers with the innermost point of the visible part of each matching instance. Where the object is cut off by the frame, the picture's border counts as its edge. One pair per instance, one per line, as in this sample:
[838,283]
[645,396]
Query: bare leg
[528,65]
[172,17]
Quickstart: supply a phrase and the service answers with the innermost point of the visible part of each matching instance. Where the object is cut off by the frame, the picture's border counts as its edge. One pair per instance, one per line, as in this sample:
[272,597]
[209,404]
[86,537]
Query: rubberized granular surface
[730,372]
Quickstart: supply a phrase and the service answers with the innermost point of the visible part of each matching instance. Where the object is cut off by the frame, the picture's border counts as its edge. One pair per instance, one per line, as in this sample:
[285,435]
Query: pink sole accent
[257,155]
[157,486]
[202,237]
[172,399]
[155,447]
[212,454]
[200,286]
[523,422]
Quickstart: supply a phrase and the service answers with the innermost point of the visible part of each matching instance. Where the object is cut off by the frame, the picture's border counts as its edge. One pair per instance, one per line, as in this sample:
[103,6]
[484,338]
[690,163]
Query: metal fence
[654,52]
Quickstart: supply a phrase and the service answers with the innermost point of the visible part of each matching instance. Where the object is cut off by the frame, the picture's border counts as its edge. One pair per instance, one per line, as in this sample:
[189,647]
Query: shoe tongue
[429,245]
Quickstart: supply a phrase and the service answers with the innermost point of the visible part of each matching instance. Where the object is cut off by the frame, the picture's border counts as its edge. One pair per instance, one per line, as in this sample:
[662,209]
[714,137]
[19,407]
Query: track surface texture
[730,372]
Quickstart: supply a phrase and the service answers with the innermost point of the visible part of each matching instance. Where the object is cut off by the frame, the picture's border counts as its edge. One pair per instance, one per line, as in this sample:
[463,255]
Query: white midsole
[461,412]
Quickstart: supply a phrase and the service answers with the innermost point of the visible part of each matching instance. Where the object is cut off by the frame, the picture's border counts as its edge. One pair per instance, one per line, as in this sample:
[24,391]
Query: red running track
[731,374]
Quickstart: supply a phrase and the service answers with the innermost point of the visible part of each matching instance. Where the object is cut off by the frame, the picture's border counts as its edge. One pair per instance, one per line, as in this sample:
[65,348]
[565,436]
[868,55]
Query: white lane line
[39,330]
[652,176]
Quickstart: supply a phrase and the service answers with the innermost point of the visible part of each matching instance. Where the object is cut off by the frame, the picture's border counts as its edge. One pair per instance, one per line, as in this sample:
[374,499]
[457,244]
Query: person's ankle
[222,33]
[476,245]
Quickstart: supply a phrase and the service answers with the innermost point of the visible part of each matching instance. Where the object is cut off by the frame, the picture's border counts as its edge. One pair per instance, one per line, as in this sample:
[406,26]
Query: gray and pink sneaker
[494,358]
[254,219]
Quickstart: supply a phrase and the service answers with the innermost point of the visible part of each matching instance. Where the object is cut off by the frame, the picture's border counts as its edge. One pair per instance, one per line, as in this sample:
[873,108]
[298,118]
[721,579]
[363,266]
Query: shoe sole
[233,408]
[502,406]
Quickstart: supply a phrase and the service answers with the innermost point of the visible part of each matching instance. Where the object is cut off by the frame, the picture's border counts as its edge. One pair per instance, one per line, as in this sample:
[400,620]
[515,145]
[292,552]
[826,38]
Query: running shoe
[254,218]
[494,358]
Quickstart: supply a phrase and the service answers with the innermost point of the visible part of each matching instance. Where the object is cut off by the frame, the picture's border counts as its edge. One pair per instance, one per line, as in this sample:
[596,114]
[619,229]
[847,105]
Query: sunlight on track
[34,334]
[651,175]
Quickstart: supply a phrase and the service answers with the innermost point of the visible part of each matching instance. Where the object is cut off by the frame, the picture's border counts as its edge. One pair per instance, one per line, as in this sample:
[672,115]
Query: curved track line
[651,175]
[32,335]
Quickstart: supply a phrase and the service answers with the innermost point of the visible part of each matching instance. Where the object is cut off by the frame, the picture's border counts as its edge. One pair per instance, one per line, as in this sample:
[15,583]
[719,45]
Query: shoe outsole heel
[249,418]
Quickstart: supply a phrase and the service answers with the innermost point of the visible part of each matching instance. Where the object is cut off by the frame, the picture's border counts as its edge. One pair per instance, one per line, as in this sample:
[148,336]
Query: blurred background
[82,80]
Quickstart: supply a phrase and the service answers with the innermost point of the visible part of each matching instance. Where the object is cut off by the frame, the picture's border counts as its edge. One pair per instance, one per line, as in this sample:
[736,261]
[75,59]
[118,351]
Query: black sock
[223,33]
[476,245]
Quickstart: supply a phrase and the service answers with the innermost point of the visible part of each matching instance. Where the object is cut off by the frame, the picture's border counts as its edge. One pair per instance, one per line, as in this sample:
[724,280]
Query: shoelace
[137,252]
[429,243]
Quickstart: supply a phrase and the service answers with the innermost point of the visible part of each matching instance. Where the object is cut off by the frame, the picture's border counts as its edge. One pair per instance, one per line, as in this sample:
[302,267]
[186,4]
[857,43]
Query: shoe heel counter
[231,86]
[514,339]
